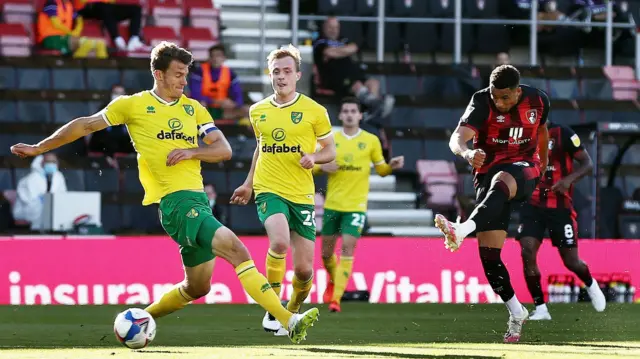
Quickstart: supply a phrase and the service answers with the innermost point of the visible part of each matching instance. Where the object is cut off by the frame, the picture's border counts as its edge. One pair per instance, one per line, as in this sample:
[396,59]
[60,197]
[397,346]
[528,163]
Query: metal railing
[458,21]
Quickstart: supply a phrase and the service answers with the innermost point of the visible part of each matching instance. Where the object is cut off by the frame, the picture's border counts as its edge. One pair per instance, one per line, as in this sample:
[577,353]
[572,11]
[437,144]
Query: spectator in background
[338,72]
[44,178]
[56,31]
[111,14]
[217,87]
[217,211]
[113,139]
[549,12]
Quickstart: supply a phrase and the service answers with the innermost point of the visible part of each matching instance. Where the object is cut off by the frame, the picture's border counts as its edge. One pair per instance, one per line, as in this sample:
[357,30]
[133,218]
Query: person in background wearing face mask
[217,211]
[44,178]
[113,139]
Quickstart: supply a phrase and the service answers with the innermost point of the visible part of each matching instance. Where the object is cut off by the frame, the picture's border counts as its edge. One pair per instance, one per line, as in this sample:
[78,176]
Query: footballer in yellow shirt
[347,194]
[288,127]
[164,126]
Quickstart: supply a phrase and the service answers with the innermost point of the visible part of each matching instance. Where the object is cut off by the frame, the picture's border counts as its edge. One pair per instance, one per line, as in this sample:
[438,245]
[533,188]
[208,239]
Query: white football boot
[452,239]
[598,299]
[515,326]
[270,324]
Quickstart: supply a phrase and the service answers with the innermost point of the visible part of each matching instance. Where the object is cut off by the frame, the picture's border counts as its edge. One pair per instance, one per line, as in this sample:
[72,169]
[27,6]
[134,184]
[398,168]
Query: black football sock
[533,283]
[496,272]
[491,207]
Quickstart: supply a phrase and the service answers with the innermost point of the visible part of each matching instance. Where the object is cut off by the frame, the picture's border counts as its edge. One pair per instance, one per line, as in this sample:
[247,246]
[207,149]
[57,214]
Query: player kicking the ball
[347,194]
[288,126]
[551,208]
[164,126]
[507,122]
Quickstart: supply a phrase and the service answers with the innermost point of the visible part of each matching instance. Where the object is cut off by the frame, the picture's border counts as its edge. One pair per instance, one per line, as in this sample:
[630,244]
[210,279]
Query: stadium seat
[440,181]
[19,12]
[156,34]
[14,40]
[101,177]
[166,13]
[623,81]
[6,182]
[93,28]
[102,79]
[404,85]
[74,179]
[8,112]
[68,79]
[111,217]
[65,111]
[403,8]
[392,37]
[137,80]
[218,178]
[202,14]
[336,7]
[34,111]
[7,77]
[353,32]
[596,89]
[244,219]
[34,79]
[198,41]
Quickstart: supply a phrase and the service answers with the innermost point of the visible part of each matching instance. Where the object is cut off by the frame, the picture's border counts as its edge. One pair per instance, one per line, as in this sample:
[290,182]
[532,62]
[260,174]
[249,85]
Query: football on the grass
[135,328]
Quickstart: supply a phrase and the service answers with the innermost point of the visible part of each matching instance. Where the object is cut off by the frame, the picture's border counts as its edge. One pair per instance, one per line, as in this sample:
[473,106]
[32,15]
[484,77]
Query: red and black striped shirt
[563,146]
[508,137]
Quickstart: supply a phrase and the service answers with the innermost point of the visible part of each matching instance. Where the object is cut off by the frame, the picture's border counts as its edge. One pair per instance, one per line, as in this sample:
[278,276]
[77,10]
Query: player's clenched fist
[475,158]
[241,195]
[307,161]
[397,162]
[22,150]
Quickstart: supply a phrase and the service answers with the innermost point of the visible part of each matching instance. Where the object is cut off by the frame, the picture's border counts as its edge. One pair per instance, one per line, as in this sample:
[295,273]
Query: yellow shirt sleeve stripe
[105,118]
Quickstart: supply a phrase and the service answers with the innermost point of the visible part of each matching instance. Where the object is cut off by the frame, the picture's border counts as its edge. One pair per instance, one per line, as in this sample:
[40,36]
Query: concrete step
[252,35]
[392,200]
[377,183]
[251,50]
[400,217]
[233,19]
[249,6]
[245,67]
[406,231]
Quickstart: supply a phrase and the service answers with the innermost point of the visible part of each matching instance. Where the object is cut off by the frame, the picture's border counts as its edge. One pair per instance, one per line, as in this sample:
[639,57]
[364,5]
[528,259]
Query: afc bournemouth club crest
[532,116]
[551,144]
[296,117]
[188,109]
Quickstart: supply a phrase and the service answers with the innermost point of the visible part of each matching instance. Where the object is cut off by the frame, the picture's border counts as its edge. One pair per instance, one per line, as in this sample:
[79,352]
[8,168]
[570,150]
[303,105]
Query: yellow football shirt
[157,127]
[283,133]
[348,187]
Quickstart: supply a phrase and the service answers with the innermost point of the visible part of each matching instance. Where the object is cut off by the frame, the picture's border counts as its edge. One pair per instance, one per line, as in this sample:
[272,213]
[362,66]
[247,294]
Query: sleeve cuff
[326,135]
[105,118]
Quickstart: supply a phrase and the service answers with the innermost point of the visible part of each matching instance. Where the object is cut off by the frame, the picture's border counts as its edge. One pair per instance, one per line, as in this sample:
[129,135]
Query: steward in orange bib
[110,14]
[56,31]
[217,88]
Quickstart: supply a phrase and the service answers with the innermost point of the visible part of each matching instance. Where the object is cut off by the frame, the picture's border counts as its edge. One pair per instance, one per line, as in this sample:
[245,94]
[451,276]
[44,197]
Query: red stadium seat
[623,81]
[440,180]
[201,13]
[166,13]
[198,41]
[14,40]
[19,12]
[156,34]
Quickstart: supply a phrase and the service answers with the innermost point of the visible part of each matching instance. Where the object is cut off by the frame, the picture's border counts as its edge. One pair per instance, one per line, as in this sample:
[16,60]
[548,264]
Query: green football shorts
[57,42]
[187,218]
[301,217]
[338,222]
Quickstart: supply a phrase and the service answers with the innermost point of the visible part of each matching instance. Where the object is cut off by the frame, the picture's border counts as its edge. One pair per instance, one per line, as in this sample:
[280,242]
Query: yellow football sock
[101,50]
[276,268]
[259,289]
[300,293]
[84,48]
[330,265]
[342,277]
[171,301]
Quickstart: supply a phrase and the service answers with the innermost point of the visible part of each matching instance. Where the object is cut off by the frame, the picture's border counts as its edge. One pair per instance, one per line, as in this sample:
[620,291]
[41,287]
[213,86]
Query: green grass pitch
[360,331]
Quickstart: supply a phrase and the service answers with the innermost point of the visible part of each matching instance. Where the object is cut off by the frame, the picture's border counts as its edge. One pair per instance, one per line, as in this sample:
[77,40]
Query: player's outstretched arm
[68,133]
[328,151]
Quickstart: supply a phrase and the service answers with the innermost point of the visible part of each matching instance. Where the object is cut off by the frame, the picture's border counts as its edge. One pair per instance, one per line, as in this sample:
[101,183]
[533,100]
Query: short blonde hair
[288,51]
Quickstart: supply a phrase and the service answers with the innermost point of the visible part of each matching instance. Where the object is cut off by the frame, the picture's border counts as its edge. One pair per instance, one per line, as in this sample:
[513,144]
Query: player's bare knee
[303,272]
[507,179]
[328,246]
[229,247]
[573,264]
[197,289]
[348,249]
[279,244]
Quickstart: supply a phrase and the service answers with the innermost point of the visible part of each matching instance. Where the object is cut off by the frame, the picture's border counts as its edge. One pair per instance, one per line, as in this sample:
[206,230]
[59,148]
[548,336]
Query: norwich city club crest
[193,213]
[296,117]
[188,109]
[362,145]
[263,207]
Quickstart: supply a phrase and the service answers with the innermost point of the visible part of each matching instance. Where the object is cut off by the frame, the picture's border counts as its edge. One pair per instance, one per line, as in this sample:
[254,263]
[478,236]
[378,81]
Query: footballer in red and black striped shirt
[551,209]
[507,122]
